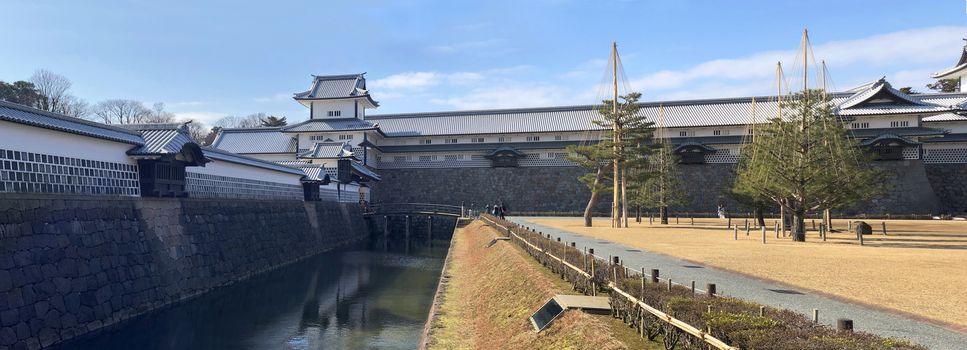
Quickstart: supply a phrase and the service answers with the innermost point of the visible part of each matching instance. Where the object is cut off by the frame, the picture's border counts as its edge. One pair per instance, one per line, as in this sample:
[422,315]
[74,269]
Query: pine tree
[628,146]
[805,161]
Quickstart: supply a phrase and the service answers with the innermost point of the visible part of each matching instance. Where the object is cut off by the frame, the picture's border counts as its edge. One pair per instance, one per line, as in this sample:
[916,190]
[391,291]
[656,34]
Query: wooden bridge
[395,209]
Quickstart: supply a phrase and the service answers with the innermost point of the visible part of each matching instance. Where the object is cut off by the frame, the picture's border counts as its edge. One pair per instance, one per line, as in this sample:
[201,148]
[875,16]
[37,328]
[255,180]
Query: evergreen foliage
[805,161]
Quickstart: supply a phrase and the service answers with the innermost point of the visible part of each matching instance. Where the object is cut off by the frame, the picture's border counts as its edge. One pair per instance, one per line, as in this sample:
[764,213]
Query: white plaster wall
[224,168]
[321,108]
[14,136]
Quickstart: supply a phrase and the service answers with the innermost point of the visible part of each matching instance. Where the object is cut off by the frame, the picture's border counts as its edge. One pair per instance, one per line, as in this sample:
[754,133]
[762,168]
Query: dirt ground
[919,267]
[493,291]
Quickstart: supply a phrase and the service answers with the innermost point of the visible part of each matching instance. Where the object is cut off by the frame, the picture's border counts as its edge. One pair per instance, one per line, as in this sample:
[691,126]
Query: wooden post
[693,220]
[651,218]
[407,237]
[860,236]
[710,290]
[777,230]
[594,288]
[763,235]
[747,229]
[884,227]
[849,225]
[676,219]
[729,224]
[762,311]
[693,287]
[669,284]
[654,275]
[814,224]
[385,233]
[642,296]
[735,233]
[844,325]
[815,315]
[585,259]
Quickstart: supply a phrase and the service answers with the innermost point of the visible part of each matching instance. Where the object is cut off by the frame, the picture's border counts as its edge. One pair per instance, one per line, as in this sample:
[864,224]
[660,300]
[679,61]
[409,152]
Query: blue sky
[207,59]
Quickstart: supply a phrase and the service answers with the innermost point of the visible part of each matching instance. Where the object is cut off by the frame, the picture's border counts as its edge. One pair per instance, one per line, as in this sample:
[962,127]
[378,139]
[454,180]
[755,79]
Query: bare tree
[231,121]
[159,114]
[74,107]
[198,132]
[119,111]
[54,89]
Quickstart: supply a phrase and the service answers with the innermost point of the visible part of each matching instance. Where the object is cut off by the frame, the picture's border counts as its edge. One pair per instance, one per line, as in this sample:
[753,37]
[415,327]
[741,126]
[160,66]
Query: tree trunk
[760,216]
[799,225]
[589,210]
[664,215]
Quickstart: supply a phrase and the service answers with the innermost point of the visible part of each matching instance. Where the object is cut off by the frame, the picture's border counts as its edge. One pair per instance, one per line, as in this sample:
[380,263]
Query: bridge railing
[415,208]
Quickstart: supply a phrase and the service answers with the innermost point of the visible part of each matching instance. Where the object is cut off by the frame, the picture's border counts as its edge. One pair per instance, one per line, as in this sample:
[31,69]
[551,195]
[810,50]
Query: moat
[355,298]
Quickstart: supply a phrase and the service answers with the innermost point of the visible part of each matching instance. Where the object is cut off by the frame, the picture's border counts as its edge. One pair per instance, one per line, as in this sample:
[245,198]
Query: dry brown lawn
[919,268]
[493,291]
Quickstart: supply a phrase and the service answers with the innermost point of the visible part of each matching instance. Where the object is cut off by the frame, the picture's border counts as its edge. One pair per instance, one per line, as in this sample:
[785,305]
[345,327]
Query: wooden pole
[693,287]
[815,315]
[763,235]
[884,227]
[616,126]
[735,233]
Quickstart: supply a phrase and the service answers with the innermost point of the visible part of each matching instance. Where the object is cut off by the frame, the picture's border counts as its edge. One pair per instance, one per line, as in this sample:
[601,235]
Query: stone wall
[949,182]
[556,190]
[71,265]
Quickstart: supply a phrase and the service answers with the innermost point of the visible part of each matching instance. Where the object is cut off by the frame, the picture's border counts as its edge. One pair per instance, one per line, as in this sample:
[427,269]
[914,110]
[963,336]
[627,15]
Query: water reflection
[358,299]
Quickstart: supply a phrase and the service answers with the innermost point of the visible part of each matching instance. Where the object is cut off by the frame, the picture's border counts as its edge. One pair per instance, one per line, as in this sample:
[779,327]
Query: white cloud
[911,51]
[407,80]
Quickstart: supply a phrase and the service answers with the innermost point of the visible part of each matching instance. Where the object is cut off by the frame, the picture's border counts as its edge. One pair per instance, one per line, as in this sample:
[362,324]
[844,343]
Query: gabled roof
[887,138]
[881,98]
[328,87]
[505,150]
[342,124]
[255,140]
[961,64]
[217,154]
[699,145]
[21,114]
[328,150]
[364,172]
[160,139]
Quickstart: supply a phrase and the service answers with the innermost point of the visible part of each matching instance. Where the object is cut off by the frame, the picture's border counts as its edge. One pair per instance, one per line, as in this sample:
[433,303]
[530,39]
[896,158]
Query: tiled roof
[365,171]
[961,64]
[960,137]
[327,87]
[255,140]
[160,138]
[946,117]
[859,103]
[328,150]
[905,132]
[882,137]
[341,124]
[21,114]
[217,154]
[459,147]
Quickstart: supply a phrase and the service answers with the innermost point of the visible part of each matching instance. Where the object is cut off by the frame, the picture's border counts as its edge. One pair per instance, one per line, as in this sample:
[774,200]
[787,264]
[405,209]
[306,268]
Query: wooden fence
[596,274]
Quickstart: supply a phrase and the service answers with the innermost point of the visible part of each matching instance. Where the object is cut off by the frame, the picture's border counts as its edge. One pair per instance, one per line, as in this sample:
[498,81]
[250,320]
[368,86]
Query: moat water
[357,298]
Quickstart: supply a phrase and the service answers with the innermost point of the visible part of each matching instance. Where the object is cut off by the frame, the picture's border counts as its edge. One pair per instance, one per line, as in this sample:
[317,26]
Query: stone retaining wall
[71,265]
[911,188]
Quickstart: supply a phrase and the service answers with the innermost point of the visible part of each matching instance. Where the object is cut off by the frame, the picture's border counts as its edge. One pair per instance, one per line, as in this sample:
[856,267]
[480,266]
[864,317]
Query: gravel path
[767,292]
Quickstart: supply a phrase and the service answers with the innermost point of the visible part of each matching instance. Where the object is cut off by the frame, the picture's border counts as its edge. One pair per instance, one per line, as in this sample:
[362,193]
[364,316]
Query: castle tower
[337,97]
[959,71]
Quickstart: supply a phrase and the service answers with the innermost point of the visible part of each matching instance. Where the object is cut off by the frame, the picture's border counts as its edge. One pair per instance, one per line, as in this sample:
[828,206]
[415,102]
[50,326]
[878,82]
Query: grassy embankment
[491,292]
